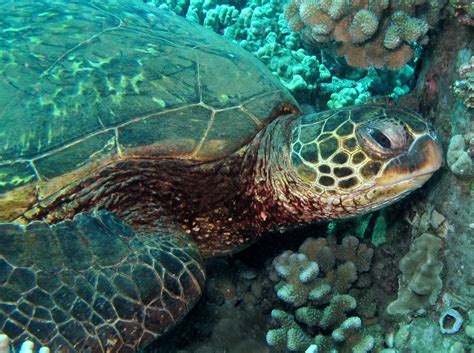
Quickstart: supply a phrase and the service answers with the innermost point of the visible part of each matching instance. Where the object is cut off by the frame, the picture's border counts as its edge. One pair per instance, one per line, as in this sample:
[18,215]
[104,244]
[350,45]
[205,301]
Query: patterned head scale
[362,158]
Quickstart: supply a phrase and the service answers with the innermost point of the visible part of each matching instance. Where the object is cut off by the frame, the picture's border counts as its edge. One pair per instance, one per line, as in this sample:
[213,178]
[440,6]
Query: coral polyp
[367,33]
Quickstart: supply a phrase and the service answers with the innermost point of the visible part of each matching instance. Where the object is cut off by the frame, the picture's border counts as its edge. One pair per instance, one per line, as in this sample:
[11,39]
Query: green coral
[420,282]
[319,283]
[346,97]
[346,92]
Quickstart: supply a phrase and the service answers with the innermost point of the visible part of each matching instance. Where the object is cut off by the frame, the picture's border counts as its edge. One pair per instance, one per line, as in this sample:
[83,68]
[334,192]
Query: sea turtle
[133,144]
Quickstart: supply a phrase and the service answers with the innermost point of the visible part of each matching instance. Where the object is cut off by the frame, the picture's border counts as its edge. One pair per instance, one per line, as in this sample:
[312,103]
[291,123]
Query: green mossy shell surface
[84,81]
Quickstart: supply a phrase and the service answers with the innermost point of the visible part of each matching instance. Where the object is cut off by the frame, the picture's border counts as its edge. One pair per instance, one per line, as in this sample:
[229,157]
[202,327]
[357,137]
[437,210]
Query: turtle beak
[417,165]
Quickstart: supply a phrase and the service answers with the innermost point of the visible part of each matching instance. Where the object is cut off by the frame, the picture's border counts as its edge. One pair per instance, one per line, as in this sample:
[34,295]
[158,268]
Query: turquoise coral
[346,92]
[260,27]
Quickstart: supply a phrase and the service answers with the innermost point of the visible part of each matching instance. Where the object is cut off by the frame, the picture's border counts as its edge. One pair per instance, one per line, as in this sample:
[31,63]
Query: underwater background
[397,280]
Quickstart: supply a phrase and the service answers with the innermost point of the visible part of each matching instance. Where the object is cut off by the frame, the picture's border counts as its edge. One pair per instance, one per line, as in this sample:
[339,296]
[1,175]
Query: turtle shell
[86,83]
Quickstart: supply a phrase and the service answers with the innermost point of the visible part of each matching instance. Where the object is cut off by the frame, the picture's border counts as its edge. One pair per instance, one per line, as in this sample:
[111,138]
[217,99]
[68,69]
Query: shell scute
[91,149]
[81,94]
[15,174]
[220,139]
[91,77]
[175,133]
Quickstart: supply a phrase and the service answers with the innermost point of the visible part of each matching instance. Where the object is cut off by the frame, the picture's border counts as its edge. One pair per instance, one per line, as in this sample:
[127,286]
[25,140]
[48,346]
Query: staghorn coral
[420,283]
[289,335]
[299,274]
[367,33]
[326,286]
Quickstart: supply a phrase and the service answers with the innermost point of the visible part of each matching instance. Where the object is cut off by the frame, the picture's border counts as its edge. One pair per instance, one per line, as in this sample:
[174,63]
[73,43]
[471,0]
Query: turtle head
[358,159]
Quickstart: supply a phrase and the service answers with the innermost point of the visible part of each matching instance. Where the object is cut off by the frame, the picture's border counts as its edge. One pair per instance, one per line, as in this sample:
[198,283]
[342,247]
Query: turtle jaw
[416,166]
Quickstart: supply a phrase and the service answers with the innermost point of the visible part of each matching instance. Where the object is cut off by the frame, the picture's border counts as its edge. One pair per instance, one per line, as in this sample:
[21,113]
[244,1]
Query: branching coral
[367,33]
[259,26]
[326,286]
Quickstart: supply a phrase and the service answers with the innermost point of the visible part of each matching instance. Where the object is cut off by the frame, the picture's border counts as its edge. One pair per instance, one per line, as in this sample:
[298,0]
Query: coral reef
[443,207]
[412,337]
[458,158]
[463,10]
[464,87]
[450,194]
[420,283]
[327,289]
[259,26]
[367,33]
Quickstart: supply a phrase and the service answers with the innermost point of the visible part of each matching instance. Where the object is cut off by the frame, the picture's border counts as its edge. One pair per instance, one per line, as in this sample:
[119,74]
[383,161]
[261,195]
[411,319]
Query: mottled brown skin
[207,199]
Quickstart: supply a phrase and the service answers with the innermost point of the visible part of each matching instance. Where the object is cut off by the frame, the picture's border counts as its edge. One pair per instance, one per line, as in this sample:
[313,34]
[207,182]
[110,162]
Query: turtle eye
[379,137]
[383,138]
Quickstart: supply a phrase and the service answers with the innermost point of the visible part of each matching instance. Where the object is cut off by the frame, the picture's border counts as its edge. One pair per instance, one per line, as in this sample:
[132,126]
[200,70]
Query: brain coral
[367,33]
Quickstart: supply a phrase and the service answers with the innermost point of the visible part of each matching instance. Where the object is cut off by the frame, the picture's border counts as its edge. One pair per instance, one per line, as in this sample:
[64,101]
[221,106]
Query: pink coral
[367,33]
[364,25]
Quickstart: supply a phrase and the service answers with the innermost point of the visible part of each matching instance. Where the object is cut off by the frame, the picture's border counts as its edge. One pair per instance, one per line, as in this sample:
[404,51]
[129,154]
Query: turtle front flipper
[91,284]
